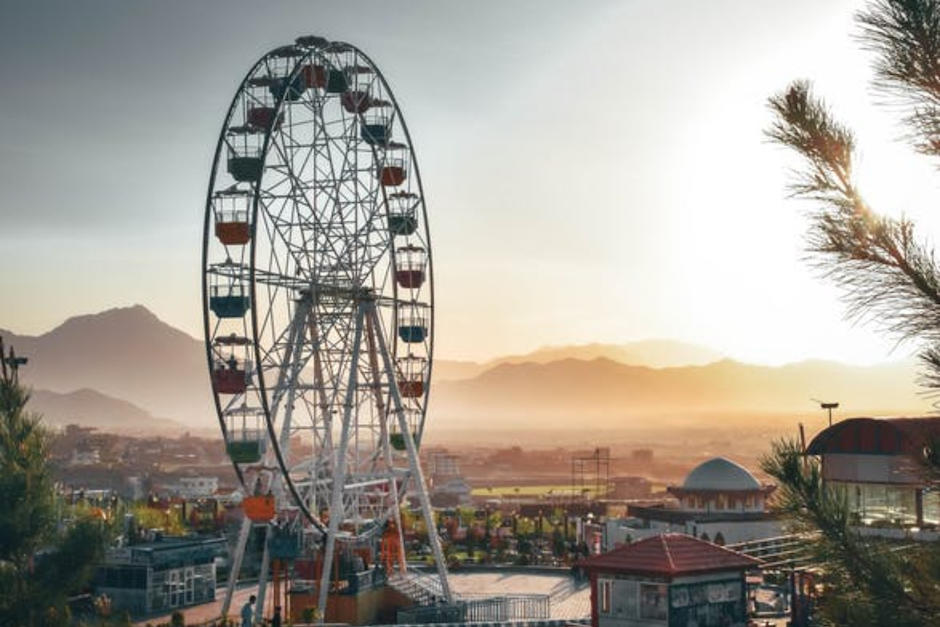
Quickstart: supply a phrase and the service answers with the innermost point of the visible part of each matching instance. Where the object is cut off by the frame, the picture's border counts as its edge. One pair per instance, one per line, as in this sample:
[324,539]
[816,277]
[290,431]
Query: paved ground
[567,601]
[207,611]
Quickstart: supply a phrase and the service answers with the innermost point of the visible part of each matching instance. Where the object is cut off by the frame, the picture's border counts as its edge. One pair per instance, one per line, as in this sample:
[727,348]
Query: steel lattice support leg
[339,471]
[263,577]
[234,571]
[418,476]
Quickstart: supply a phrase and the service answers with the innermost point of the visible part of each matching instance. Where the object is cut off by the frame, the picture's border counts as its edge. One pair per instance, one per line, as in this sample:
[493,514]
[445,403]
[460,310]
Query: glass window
[623,599]
[653,601]
[173,581]
[871,503]
[932,507]
[188,585]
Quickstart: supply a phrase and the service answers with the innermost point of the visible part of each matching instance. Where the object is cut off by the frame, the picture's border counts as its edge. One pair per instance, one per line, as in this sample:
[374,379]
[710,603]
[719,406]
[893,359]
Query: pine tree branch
[886,274]
[905,37]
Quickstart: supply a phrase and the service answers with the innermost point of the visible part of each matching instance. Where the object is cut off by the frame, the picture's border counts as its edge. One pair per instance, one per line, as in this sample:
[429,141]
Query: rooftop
[873,436]
[720,473]
[670,554]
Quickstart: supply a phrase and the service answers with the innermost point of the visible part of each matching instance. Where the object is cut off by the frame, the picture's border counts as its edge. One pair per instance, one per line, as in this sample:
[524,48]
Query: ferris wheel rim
[264,390]
[205,255]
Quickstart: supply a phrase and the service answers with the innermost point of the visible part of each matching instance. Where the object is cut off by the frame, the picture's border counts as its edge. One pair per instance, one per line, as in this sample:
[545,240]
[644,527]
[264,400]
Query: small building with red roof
[669,579]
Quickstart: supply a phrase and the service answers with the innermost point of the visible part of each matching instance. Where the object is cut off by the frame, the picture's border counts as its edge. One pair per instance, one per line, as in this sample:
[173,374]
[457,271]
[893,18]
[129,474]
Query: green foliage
[42,559]
[466,515]
[525,526]
[147,517]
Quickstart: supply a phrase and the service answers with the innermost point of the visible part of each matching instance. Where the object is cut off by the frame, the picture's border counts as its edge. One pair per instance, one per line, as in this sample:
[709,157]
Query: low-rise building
[161,576]
[669,579]
[451,493]
[878,464]
[197,487]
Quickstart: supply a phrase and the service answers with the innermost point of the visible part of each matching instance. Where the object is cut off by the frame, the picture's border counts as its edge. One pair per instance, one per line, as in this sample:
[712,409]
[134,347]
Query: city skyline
[602,200]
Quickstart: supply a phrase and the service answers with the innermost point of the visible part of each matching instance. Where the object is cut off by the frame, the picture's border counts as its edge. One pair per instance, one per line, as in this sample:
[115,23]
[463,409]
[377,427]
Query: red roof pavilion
[670,554]
[656,567]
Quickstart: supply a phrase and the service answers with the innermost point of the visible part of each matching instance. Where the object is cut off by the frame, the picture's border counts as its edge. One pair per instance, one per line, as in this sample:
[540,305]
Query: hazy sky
[595,171]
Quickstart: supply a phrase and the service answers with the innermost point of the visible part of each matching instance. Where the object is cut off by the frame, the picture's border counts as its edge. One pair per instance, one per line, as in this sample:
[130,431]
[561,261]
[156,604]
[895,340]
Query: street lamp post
[828,407]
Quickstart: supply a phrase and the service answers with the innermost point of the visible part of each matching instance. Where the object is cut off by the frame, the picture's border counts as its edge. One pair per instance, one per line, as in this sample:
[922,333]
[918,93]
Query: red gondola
[410,262]
[411,389]
[356,101]
[263,117]
[229,377]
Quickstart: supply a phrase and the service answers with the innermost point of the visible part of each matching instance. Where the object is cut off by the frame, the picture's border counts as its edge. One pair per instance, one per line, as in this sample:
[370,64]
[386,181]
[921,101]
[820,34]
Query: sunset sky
[595,171]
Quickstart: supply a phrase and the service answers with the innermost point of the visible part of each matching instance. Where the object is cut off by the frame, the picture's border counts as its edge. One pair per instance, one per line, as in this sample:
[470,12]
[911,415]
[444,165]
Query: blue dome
[720,474]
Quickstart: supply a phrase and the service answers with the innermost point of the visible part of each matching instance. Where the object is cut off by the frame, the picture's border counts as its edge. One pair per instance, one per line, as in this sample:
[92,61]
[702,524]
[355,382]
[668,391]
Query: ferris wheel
[318,300]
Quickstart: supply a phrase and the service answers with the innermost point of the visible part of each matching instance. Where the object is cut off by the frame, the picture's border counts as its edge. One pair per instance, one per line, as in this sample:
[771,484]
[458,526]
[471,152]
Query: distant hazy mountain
[650,353]
[129,354]
[93,409]
[125,353]
[602,392]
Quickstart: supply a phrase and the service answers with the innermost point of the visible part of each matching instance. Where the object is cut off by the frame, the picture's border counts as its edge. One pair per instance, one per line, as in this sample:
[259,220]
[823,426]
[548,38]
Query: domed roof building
[719,500]
[720,473]
[721,485]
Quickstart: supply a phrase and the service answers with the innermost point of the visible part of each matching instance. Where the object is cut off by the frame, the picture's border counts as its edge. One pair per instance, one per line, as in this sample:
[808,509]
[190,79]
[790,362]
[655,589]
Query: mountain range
[125,353]
[650,353]
[94,409]
[123,368]
[606,394]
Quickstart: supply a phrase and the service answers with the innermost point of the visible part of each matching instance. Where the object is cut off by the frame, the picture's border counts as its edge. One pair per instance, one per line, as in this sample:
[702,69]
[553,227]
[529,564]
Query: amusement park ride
[318,314]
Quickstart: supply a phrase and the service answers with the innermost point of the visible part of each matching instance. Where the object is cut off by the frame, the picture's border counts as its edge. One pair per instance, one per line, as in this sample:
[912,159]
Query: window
[188,585]
[653,601]
[604,592]
[932,507]
[871,502]
[173,583]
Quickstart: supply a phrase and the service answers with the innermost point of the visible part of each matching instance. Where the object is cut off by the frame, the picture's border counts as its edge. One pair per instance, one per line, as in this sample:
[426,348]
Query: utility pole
[10,364]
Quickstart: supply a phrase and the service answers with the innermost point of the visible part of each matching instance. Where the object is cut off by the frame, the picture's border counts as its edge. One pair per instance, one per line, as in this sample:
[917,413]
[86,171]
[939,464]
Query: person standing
[248,611]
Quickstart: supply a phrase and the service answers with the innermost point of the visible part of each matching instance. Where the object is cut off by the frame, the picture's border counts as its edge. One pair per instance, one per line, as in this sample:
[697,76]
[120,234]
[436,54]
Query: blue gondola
[412,332]
[229,305]
[245,169]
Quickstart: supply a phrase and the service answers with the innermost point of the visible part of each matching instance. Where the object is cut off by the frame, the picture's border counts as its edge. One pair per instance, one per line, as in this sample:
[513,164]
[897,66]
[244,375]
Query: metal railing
[485,609]
[431,607]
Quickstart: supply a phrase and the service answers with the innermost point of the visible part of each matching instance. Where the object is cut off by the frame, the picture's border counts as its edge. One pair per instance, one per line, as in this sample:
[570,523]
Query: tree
[41,561]
[887,274]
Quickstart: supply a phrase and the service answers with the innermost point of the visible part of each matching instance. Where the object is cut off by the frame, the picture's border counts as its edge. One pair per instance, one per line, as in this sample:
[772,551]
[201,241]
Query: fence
[477,610]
